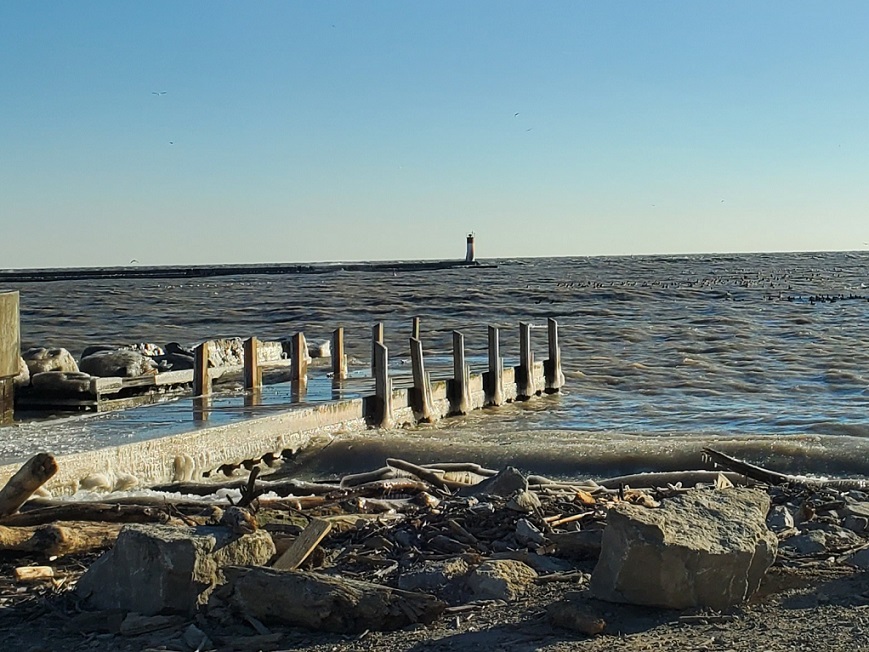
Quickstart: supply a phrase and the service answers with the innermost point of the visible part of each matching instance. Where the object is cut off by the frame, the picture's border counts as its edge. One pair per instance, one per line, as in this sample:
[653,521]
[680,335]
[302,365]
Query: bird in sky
[158,92]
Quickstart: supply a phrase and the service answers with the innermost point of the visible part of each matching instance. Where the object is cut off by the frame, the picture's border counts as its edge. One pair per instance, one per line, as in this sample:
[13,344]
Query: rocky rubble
[426,548]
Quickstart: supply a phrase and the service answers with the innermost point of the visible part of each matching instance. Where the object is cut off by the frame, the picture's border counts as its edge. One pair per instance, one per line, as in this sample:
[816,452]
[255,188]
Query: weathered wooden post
[201,407]
[10,351]
[421,396]
[339,359]
[253,373]
[495,386]
[525,382]
[460,399]
[414,331]
[298,365]
[201,372]
[382,387]
[552,367]
[376,338]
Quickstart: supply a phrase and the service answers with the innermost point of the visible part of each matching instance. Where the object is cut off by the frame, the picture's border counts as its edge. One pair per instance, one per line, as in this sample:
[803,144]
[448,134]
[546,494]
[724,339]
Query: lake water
[762,355]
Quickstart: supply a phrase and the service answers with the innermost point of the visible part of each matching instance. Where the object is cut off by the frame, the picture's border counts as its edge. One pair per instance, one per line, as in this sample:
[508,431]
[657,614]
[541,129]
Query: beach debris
[687,553]
[304,545]
[23,377]
[34,473]
[161,569]
[24,574]
[774,478]
[323,602]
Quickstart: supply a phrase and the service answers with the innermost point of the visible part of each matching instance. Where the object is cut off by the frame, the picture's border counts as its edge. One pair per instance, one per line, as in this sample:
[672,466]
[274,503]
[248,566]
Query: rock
[859,559]
[160,568]
[703,548]
[196,639]
[524,502]
[61,381]
[527,534]
[441,578]
[321,350]
[108,481]
[40,359]
[120,363]
[807,543]
[505,483]
[858,524]
[573,614]
[816,538]
[502,579]
[23,377]
[860,510]
[583,544]
[779,518]
[229,352]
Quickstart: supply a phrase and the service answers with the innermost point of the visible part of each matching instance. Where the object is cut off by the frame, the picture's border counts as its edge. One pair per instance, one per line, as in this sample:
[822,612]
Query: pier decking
[383,399]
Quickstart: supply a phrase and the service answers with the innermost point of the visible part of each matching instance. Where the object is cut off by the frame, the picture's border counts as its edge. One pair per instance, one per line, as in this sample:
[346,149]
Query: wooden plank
[10,334]
[415,328]
[304,545]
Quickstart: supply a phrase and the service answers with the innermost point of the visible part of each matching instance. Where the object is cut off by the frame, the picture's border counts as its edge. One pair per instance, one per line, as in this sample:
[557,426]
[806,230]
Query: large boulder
[162,568]
[40,359]
[704,548]
[500,579]
[119,363]
[229,352]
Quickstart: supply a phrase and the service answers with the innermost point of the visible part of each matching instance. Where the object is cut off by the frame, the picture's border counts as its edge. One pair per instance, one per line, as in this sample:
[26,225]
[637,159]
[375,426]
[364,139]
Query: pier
[390,396]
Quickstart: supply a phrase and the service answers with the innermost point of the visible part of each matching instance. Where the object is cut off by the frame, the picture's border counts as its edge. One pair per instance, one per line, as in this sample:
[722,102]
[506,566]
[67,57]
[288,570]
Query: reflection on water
[712,346]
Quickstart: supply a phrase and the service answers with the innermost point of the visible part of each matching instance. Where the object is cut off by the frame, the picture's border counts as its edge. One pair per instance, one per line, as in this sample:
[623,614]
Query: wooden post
[421,396]
[253,373]
[299,366]
[460,399]
[10,351]
[415,328]
[554,375]
[495,387]
[382,387]
[201,373]
[525,381]
[376,338]
[299,357]
[339,360]
[201,408]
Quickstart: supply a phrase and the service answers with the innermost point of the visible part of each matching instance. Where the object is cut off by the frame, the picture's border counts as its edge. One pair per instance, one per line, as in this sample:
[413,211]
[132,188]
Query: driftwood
[31,476]
[323,602]
[64,538]
[84,511]
[279,487]
[304,545]
[666,478]
[775,478]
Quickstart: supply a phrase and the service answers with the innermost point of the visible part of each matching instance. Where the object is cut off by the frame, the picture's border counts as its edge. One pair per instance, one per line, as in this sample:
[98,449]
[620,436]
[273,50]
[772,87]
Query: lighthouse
[469,254]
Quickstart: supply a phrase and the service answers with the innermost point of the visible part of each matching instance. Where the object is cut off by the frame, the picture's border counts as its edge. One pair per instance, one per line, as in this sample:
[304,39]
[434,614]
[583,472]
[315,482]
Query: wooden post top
[10,334]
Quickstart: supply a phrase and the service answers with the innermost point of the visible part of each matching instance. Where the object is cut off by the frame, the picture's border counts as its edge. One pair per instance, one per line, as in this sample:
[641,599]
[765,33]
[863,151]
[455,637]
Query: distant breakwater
[203,271]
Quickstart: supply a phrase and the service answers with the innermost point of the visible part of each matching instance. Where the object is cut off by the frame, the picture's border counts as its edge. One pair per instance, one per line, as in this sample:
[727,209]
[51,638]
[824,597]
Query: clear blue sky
[216,132]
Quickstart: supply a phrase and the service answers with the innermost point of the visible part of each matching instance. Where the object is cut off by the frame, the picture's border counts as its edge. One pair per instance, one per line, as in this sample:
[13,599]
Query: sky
[205,132]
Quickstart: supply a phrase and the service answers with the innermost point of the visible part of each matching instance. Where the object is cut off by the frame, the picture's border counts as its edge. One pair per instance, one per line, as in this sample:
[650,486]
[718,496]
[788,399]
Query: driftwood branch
[324,602]
[30,477]
[64,538]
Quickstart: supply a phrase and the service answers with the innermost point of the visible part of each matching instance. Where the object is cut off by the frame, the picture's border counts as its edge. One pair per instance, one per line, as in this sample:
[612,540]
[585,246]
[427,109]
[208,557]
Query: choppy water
[662,354]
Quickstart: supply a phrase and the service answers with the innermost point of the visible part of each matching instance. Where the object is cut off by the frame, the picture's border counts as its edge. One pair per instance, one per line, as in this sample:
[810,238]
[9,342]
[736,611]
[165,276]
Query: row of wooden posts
[421,393]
